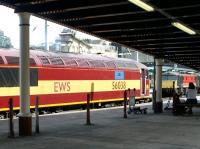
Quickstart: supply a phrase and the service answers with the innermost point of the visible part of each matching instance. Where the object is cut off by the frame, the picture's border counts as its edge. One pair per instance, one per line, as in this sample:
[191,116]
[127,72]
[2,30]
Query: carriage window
[44,60]
[12,60]
[15,60]
[32,61]
[82,63]
[70,62]
[110,64]
[9,77]
[56,60]
[96,63]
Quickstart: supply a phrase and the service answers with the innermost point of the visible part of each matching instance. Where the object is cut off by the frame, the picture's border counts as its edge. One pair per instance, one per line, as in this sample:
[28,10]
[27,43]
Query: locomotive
[64,79]
[178,81]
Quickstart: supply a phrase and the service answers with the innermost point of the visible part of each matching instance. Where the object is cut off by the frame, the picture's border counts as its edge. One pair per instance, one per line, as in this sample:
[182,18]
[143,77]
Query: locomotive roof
[177,74]
[46,58]
[171,73]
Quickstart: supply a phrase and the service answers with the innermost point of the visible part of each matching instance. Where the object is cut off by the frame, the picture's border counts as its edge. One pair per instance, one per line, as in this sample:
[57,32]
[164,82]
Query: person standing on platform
[191,96]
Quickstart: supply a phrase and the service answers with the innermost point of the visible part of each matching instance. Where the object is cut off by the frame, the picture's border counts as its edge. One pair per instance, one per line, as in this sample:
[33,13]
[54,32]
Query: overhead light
[183,28]
[142,4]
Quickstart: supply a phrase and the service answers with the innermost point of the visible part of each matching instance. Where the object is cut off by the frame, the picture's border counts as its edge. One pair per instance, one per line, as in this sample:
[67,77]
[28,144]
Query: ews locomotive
[63,79]
[179,81]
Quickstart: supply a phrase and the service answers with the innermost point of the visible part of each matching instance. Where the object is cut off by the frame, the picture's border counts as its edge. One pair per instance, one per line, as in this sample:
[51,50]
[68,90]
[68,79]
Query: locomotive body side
[180,82]
[169,80]
[67,85]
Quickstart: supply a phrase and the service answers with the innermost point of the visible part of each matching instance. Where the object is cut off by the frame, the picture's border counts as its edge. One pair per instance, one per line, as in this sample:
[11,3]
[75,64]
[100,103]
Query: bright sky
[9,24]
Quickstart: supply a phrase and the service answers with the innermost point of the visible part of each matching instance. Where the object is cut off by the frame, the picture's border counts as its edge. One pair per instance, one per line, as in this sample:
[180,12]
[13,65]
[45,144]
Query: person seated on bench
[177,109]
[191,96]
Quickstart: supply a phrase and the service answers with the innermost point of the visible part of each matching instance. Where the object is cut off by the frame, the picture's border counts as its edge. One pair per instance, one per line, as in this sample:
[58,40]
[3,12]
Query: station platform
[109,130]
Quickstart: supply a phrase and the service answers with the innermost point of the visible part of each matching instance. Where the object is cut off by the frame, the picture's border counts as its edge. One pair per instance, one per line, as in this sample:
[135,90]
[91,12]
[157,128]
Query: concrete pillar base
[158,107]
[25,126]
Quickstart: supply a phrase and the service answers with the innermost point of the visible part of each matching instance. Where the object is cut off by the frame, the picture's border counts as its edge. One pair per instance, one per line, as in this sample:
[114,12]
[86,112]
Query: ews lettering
[61,86]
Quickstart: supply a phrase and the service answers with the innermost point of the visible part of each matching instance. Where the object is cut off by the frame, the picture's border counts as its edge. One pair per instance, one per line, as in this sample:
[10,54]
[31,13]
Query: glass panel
[9,77]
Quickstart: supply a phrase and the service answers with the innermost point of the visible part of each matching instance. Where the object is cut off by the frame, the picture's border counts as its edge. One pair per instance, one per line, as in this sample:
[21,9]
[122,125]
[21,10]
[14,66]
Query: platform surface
[109,131]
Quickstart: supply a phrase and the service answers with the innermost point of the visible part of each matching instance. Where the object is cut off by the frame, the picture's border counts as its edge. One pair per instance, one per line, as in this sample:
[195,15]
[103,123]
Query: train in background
[64,79]
[178,81]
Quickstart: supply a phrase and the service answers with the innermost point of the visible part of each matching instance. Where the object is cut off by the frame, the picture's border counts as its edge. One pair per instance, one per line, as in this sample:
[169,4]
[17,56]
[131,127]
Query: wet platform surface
[109,131]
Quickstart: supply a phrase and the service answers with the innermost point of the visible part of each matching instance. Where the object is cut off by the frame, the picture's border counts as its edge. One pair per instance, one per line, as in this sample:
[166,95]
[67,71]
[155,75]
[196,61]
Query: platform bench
[180,108]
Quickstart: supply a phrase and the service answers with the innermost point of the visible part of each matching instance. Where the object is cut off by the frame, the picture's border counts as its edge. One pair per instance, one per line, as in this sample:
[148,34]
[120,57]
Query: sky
[9,24]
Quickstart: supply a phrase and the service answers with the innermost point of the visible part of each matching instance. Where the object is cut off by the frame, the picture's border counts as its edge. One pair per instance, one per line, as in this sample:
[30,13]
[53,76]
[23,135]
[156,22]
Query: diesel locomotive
[64,79]
[178,81]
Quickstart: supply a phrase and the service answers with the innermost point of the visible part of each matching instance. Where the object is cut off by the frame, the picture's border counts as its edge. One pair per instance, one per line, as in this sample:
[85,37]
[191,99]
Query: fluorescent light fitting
[142,4]
[183,28]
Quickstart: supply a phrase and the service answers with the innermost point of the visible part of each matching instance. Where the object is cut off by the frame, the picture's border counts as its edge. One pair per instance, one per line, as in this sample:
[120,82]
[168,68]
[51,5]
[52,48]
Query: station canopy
[152,30]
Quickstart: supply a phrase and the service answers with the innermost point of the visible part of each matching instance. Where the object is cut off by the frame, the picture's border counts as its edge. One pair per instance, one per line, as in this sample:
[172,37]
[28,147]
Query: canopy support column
[25,118]
[158,86]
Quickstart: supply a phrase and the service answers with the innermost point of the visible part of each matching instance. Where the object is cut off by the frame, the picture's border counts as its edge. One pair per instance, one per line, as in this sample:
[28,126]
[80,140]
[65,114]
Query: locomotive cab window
[9,77]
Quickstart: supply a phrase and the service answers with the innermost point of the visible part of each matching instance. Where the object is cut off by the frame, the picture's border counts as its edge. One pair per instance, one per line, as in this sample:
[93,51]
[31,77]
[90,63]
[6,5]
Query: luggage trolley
[133,108]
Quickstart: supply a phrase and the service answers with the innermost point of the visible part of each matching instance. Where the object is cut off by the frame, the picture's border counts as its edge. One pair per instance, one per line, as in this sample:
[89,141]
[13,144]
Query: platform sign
[119,75]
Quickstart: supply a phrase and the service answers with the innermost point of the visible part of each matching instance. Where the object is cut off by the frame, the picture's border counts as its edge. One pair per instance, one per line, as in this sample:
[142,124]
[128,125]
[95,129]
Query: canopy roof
[123,22]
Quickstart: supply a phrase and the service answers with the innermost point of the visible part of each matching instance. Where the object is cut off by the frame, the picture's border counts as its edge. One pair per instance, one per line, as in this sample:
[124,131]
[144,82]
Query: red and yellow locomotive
[180,82]
[61,79]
